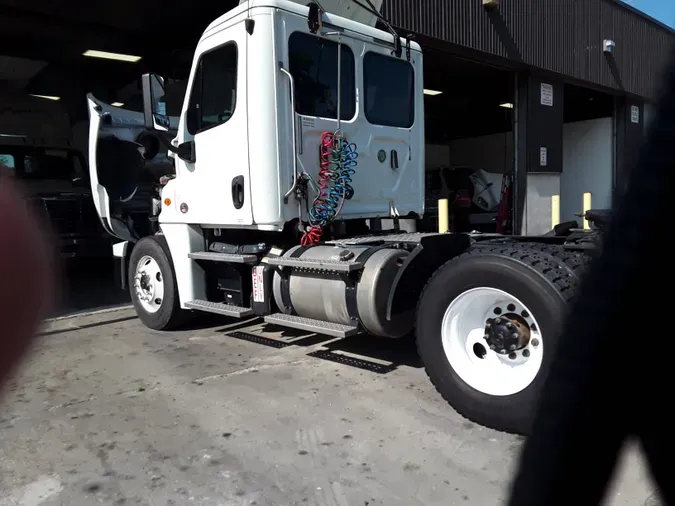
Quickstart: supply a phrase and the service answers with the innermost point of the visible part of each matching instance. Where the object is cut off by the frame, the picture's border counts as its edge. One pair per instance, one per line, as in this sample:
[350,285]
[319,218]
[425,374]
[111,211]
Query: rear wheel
[487,324]
[152,285]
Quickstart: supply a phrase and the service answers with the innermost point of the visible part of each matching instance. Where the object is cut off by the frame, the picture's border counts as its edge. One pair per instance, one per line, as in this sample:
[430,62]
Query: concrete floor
[107,412]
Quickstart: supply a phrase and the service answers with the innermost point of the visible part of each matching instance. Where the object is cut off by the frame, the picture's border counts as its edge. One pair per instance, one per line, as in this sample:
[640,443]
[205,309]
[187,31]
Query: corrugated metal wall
[563,36]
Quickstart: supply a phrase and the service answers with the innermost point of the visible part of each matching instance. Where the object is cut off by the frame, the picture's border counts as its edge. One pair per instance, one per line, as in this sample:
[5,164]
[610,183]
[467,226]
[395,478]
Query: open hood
[125,164]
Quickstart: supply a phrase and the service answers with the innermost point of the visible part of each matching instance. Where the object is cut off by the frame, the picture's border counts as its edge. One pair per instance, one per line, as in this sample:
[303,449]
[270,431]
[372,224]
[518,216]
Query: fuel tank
[340,298]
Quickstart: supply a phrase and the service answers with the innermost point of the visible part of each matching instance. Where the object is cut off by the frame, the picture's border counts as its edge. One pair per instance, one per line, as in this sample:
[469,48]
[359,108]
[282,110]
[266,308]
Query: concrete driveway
[107,412]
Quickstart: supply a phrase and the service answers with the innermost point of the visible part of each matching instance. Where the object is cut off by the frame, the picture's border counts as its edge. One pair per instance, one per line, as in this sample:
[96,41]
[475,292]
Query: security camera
[608,46]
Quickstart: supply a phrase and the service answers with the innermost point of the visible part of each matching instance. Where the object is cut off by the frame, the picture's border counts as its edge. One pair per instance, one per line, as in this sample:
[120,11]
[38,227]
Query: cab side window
[213,98]
[390,90]
[313,63]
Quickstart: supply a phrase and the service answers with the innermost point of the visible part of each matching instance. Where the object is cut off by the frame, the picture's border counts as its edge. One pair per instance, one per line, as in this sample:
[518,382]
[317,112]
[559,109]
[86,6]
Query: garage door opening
[588,151]
[469,143]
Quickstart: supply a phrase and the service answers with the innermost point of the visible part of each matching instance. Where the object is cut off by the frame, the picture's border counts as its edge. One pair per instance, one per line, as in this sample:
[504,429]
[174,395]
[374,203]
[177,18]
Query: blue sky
[663,10]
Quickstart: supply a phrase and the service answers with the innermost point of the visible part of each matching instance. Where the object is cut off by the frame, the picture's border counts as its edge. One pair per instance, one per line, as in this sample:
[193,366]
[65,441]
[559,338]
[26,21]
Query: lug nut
[526,353]
[486,337]
[535,342]
[488,325]
[509,325]
[512,347]
[512,356]
[502,352]
[493,347]
[498,321]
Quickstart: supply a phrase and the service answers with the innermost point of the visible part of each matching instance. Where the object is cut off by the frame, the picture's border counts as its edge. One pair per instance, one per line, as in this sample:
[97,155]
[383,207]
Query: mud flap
[432,252]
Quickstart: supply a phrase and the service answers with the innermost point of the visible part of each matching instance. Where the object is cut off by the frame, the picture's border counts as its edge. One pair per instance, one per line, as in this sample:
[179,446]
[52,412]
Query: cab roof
[302,10]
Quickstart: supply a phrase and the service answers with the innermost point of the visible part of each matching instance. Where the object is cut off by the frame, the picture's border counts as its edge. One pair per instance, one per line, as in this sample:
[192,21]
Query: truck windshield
[39,163]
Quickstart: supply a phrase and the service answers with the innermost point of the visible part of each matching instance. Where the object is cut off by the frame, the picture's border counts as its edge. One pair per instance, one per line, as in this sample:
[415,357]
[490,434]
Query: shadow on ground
[375,354]
[88,285]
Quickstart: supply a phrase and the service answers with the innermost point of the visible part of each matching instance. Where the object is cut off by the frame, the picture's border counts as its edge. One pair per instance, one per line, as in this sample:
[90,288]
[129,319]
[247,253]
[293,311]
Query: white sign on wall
[543,156]
[547,94]
[635,114]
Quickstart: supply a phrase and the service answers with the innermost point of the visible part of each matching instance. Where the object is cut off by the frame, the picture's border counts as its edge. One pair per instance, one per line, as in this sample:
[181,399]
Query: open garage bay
[107,412]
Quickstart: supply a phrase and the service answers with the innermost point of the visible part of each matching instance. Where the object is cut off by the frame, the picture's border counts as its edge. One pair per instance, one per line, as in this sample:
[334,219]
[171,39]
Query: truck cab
[263,88]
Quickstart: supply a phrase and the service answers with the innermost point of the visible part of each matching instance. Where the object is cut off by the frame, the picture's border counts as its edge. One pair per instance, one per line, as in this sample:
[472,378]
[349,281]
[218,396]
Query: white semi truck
[301,131]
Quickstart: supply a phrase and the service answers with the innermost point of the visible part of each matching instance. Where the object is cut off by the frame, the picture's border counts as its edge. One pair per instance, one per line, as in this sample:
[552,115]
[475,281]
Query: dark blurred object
[55,183]
[611,378]
[27,274]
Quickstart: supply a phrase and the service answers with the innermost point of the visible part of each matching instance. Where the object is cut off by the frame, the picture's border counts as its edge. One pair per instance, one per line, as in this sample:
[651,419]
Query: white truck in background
[36,147]
[300,131]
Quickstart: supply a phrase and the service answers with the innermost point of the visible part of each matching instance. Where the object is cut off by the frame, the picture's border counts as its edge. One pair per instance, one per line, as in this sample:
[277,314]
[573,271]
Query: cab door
[215,186]
[125,161]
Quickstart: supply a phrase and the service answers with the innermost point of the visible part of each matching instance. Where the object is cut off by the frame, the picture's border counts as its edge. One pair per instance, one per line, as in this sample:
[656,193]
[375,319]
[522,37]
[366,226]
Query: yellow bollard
[555,211]
[443,216]
[588,198]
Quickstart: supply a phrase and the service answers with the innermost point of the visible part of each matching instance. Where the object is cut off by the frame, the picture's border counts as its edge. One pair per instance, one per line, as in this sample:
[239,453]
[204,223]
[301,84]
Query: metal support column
[539,153]
[629,137]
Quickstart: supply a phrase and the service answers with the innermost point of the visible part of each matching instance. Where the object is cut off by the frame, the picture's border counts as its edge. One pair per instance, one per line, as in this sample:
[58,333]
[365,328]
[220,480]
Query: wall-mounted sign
[635,114]
[547,94]
[543,156]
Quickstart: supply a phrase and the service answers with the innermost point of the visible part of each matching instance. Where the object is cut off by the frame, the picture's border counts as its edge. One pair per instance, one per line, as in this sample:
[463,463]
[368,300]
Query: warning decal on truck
[258,284]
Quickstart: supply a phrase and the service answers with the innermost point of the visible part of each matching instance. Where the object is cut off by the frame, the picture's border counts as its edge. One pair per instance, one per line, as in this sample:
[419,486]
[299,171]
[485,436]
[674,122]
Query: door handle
[238,192]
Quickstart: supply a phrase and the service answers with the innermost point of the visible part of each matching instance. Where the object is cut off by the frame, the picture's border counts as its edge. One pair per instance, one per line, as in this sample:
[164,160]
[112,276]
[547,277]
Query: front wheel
[487,325]
[152,284]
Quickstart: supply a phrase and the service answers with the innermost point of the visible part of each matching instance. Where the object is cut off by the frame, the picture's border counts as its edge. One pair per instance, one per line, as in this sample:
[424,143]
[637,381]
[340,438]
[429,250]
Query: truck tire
[576,261]
[477,373]
[152,285]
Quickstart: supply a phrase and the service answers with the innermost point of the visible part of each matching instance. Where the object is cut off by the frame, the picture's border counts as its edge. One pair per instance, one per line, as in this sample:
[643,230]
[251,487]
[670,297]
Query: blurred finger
[26,282]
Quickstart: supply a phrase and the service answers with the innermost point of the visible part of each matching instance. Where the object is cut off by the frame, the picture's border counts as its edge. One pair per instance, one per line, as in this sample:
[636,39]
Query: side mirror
[154,105]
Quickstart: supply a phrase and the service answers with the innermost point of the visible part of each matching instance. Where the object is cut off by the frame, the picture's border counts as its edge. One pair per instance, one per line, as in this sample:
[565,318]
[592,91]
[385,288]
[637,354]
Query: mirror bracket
[314,22]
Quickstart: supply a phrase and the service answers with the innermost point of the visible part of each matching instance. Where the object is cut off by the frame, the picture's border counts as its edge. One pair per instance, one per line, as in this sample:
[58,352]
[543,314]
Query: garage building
[529,103]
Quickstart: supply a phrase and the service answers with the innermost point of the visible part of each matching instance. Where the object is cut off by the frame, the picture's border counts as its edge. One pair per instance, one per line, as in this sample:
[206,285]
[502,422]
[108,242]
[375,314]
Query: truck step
[212,256]
[316,265]
[219,308]
[326,328]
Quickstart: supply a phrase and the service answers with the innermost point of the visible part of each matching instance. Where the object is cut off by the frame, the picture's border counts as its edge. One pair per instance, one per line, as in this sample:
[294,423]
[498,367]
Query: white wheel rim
[149,284]
[463,337]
